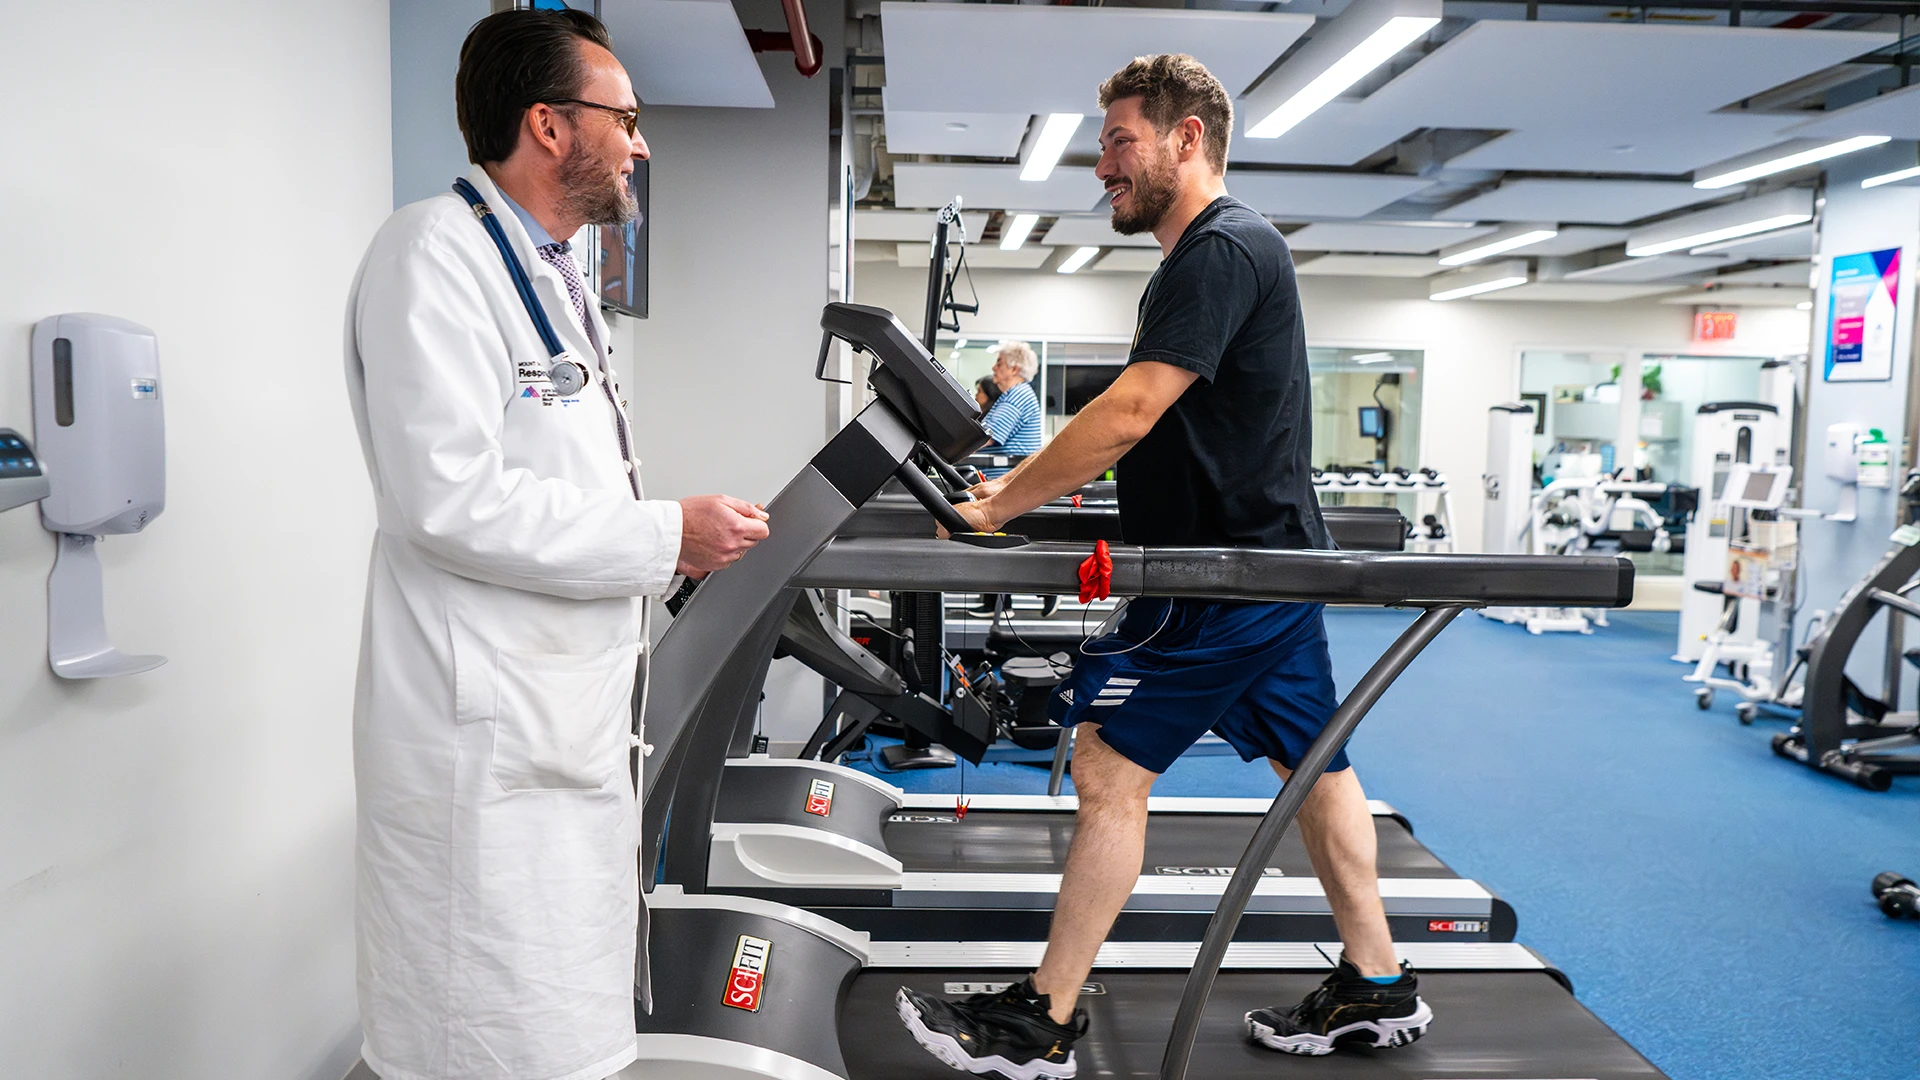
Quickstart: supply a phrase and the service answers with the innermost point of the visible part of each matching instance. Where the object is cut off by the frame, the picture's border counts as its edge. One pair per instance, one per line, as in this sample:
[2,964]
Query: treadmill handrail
[1354,528]
[1410,579]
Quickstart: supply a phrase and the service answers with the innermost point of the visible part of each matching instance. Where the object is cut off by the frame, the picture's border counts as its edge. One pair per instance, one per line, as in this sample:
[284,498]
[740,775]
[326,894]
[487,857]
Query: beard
[595,190]
[1151,197]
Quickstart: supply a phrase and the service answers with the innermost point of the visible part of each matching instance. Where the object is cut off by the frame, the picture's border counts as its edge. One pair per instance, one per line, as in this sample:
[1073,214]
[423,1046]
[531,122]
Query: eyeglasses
[629,118]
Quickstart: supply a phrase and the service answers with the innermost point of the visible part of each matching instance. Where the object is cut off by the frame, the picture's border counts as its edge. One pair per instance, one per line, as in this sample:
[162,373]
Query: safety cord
[1112,622]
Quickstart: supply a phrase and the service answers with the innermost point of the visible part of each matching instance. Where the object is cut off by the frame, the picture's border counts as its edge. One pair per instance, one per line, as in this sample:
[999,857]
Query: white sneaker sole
[947,1049]
[1395,1031]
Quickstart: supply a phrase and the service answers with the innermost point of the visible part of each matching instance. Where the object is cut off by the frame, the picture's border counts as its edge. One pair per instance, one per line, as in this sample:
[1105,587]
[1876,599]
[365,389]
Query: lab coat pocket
[561,720]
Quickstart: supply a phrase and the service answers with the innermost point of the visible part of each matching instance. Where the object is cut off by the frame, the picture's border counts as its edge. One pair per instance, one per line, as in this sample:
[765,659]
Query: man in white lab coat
[498,896]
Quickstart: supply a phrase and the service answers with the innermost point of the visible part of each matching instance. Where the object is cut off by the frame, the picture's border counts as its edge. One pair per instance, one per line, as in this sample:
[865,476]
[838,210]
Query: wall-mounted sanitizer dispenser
[98,424]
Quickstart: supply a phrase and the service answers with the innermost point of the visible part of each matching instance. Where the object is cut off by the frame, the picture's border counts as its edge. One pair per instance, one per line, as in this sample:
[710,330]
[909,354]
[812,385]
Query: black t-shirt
[1230,463]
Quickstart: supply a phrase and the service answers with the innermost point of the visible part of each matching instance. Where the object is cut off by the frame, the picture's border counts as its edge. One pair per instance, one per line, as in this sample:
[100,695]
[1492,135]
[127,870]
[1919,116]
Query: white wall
[176,846]
[1472,346]
[1836,554]
[720,376]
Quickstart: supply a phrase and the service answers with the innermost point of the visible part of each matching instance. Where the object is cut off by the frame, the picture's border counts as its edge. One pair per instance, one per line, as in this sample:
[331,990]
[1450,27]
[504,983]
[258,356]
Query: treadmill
[879,863]
[741,987]
[860,855]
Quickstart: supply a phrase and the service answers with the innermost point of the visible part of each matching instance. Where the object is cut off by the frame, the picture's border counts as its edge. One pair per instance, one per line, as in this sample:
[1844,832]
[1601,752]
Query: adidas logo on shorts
[1115,691]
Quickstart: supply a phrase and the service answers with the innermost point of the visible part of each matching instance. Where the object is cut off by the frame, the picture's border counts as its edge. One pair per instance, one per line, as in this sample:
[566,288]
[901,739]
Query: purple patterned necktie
[559,255]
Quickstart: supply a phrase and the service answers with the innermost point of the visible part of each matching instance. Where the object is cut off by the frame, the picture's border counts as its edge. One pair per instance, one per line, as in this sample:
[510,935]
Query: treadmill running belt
[1490,1025]
[1028,842]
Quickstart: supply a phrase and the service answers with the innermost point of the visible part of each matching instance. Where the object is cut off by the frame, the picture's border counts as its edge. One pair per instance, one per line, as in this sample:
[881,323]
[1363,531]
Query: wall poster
[1860,316]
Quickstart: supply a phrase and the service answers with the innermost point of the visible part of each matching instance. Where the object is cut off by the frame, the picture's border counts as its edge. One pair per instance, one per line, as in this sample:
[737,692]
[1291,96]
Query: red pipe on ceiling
[804,46]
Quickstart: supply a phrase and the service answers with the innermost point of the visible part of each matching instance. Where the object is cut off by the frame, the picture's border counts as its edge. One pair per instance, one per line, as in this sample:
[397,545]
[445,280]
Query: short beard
[1153,195]
[588,195]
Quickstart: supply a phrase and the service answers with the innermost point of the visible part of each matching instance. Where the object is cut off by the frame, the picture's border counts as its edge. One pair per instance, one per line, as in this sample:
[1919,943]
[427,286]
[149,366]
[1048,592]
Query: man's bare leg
[1338,830]
[1103,865]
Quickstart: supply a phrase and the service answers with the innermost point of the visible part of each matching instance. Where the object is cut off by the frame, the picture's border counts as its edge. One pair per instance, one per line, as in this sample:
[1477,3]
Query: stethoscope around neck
[567,375]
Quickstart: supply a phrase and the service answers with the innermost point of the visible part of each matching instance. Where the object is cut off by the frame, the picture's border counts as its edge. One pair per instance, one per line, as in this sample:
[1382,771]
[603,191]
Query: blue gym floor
[1708,899]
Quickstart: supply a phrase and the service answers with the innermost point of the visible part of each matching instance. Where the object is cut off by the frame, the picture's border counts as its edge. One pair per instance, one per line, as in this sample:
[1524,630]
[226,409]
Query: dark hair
[987,386]
[512,60]
[1172,87]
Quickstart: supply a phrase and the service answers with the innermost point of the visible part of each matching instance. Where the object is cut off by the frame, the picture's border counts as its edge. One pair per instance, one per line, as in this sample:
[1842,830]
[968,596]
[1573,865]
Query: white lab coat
[497,894]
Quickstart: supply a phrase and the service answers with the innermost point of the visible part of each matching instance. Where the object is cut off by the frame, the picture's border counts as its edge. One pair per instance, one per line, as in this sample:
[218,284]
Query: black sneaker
[1007,1034]
[1346,1010]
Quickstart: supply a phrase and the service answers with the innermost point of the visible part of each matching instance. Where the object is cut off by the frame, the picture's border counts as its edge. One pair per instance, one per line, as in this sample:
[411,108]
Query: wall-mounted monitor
[1374,422]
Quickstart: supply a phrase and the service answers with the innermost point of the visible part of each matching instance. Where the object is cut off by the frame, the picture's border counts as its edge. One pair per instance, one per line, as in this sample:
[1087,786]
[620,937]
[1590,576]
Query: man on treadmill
[1209,432]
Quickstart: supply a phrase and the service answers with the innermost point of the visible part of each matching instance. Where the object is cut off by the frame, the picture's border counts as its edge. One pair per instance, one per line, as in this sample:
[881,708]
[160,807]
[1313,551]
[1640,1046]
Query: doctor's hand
[715,530]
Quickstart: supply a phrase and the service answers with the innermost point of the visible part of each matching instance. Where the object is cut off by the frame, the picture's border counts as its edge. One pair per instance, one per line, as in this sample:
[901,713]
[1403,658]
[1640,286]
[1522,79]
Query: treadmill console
[908,377]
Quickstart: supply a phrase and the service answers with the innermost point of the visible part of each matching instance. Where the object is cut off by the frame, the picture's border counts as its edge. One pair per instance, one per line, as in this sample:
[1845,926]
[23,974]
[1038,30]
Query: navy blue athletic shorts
[1256,674]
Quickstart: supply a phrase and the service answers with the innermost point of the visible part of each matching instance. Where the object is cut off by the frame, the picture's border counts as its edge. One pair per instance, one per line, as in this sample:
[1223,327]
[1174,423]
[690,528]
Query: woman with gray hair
[1014,419]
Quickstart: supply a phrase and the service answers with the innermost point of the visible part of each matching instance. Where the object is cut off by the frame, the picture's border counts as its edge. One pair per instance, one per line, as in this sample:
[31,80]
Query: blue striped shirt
[1014,423]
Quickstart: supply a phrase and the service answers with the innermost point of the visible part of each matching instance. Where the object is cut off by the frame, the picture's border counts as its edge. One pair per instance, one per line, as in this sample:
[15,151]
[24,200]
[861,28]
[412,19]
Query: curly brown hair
[1172,87]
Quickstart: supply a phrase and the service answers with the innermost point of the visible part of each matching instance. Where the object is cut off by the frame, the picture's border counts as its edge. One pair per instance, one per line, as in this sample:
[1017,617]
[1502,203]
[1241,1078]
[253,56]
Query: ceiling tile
[962,134]
[1308,195]
[908,225]
[687,52]
[1798,274]
[1753,296]
[1577,292]
[1340,133]
[1094,231]
[1602,202]
[1397,266]
[1658,142]
[982,257]
[1377,237]
[995,187]
[1896,113]
[1650,268]
[1791,243]
[1021,58]
[1577,240]
[1130,261]
[1550,75]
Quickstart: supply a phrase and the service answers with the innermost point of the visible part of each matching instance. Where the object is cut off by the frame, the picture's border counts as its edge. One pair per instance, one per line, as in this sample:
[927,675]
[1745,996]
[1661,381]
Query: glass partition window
[1366,407]
[1366,402]
[1576,399]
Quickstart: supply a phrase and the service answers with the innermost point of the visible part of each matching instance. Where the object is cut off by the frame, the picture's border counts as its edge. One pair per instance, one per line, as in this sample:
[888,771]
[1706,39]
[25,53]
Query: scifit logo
[820,797]
[1456,926]
[749,973]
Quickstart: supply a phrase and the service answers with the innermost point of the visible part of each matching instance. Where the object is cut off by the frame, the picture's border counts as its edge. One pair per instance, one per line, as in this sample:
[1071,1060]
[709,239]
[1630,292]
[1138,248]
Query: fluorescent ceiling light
[1475,280]
[1373,358]
[1504,240]
[1079,258]
[1788,206]
[1891,178]
[1772,160]
[1804,305]
[1016,231]
[1054,136]
[961,344]
[1364,36]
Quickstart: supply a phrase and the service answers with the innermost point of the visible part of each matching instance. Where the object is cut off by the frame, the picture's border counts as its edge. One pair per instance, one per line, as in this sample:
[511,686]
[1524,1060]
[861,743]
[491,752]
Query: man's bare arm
[1100,435]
